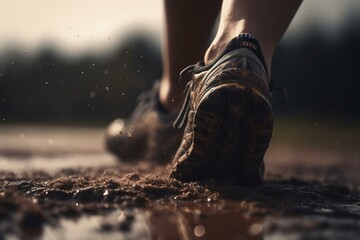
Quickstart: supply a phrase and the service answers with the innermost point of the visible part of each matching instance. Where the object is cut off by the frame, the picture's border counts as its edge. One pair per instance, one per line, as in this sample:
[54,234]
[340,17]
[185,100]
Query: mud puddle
[164,221]
[61,184]
[140,202]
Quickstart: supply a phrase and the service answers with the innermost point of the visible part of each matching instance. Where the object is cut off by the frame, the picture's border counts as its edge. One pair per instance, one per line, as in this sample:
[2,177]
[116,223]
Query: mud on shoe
[148,133]
[229,117]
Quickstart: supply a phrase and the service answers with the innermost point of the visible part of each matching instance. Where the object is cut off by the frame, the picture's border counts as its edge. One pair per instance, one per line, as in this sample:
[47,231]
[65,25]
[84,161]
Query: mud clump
[18,213]
[32,199]
[140,189]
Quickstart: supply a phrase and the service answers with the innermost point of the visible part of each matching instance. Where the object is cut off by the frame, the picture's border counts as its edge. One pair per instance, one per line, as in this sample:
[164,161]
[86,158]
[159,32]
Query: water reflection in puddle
[111,226]
[223,220]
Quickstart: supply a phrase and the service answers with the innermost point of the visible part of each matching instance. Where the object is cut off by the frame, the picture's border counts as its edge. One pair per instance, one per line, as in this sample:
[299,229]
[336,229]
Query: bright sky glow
[75,25]
[78,26]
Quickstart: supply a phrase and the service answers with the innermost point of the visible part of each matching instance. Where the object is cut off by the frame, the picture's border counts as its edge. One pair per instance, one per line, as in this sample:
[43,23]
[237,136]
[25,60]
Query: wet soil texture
[59,183]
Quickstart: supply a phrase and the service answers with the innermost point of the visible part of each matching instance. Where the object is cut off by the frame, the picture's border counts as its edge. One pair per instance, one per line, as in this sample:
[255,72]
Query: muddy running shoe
[148,133]
[229,117]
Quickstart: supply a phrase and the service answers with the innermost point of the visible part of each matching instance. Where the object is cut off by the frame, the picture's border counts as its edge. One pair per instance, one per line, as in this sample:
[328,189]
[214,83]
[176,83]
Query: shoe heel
[251,122]
[231,130]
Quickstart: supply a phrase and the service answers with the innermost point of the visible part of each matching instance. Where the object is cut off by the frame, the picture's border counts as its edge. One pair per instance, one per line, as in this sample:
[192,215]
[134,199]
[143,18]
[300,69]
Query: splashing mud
[145,199]
[125,201]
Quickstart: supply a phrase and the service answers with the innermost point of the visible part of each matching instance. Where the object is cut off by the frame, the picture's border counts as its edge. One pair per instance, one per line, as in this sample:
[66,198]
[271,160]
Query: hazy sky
[74,25]
[77,26]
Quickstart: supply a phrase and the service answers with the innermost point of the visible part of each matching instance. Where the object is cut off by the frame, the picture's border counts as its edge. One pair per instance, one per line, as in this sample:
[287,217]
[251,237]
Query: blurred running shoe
[148,133]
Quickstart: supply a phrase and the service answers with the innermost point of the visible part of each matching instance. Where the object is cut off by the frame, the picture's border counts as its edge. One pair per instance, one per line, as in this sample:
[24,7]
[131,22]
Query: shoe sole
[231,130]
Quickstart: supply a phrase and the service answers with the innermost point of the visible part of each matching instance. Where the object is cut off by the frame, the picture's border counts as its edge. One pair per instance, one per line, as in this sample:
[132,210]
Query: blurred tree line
[321,75]
[53,88]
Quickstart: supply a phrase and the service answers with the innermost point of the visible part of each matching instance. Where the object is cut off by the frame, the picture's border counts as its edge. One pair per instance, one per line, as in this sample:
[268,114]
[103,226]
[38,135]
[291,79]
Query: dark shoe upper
[241,62]
[209,148]
[148,133]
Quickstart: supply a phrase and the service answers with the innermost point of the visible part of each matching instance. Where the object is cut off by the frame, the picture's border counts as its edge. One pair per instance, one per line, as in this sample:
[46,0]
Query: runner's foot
[229,116]
[148,133]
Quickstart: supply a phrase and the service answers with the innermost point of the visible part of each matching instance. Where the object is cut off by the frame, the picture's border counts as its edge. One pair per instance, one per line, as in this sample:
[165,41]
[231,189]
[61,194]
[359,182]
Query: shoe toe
[121,140]
[116,127]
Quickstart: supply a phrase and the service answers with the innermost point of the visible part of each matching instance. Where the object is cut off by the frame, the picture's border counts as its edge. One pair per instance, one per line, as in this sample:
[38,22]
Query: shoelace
[181,118]
[283,91]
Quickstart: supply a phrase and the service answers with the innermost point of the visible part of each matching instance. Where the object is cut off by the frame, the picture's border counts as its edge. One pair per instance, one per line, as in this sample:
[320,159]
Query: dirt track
[59,183]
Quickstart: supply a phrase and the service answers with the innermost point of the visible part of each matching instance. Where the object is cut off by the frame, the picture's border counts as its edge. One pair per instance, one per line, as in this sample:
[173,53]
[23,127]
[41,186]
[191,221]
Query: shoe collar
[244,40]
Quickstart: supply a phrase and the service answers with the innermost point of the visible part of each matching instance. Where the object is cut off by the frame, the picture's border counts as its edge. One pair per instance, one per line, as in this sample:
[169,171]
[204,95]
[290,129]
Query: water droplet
[35,200]
[127,51]
[106,193]
[326,210]
[255,229]
[107,88]
[82,72]
[106,71]
[92,94]
[46,83]
[93,64]
[12,63]
[197,212]
[199,230]
[121,217]
[77,204]
[123,94]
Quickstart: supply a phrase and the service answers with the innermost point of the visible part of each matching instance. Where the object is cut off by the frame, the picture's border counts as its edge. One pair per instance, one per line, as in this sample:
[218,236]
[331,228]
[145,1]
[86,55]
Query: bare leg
[148,134]
[188,26]
[265,20]
[229,118]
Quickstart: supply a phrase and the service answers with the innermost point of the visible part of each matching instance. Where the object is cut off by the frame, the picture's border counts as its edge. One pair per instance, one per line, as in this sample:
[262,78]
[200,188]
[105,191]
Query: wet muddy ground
[59,183]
